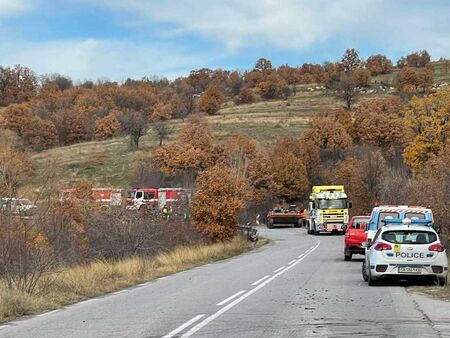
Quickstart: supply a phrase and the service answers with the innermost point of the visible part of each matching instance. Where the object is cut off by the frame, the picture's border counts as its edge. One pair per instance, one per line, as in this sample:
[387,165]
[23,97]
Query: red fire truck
[102,196]
[154,197]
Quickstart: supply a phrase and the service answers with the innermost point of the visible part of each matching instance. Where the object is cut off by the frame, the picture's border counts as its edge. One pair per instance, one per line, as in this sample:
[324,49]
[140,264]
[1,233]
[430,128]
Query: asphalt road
[297,286]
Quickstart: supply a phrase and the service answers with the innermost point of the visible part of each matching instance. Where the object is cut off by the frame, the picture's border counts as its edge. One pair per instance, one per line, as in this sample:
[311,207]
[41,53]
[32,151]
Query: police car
[405,248]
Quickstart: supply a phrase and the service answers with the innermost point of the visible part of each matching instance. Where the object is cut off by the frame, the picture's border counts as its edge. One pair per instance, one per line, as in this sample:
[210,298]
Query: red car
[355,235]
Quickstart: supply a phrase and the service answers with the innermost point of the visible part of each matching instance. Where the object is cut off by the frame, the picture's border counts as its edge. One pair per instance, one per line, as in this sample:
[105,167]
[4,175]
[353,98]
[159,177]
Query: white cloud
[13,7]
[295,25]
[93,59]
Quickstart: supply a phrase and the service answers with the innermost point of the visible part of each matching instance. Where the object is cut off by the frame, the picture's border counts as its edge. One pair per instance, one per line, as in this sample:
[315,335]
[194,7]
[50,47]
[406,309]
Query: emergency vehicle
[380,213]
[102,196]
[158,198]
[404,249]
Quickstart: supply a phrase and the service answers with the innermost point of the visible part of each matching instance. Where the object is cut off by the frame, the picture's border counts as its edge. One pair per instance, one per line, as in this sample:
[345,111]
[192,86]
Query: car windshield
[131,193]
[409,237]
[333,204]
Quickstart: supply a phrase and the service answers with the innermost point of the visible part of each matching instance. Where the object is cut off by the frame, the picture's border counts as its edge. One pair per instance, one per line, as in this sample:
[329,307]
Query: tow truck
[327,210]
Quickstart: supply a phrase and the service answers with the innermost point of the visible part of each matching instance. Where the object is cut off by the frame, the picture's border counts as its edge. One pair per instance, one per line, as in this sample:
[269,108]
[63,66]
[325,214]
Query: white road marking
[300,256]
[183,326]
[260,280]
[291,262]
[119,292]
[209,319]
[230,298]
[279,269]
[47,313]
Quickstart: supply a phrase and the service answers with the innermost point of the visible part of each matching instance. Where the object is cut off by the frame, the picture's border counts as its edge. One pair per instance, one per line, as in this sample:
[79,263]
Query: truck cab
[385,212]
[327,210]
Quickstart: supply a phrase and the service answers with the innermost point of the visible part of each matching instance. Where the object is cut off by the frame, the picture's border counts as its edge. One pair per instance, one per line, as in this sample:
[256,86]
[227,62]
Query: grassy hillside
[109,162]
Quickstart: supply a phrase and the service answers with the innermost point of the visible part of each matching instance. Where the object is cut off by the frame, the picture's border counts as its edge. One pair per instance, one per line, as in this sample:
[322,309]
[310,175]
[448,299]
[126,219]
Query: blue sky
[117,39]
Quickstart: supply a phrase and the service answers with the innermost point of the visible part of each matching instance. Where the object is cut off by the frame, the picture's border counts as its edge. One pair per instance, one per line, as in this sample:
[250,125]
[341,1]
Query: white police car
[403,249]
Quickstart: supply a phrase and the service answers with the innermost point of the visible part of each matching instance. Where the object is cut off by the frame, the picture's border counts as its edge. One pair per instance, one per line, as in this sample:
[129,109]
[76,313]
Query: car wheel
[442,281]
[363,270]
[348,257]
[371,281]
[270,225]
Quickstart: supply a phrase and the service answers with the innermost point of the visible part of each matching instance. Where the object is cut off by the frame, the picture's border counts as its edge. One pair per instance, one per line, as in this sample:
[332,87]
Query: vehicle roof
[13,199]
[356,217]
[401,208]
[406,227]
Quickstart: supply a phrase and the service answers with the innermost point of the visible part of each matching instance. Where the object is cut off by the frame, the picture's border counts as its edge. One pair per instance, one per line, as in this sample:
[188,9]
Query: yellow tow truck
[327,210]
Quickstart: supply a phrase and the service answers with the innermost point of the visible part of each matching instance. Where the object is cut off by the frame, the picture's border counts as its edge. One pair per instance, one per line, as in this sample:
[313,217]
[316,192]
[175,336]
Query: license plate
[409,269]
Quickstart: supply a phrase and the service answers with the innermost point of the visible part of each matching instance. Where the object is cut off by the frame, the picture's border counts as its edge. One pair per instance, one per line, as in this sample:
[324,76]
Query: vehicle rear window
[358,222]
[414,215]
[384,215]
[409,237]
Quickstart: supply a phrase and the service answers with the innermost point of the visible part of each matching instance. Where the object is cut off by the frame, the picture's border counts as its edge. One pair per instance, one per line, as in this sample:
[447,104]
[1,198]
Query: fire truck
[104,197]
[157,198]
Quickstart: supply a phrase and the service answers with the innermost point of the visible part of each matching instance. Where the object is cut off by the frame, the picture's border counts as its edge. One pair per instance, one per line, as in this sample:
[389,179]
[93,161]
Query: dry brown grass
[101,277]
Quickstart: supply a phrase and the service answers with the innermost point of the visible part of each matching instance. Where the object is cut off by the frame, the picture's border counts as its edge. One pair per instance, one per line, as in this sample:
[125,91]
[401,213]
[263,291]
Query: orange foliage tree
[428,120]
[211,100]
[328,134]
[107,127]
[219,196]
[379,64]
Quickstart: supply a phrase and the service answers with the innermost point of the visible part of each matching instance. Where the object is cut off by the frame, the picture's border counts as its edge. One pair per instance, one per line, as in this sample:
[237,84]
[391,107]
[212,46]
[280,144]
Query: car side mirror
[365,245]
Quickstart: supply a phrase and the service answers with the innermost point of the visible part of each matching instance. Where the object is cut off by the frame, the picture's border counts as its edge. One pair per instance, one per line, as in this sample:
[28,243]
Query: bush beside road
[101,277]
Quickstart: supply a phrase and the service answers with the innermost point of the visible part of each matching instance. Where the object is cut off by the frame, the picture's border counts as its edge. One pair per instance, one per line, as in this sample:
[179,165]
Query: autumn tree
[328,134]
[219,196]
[347,90]
[379,64]
[14,168]
[350,173]
[351,60]
[274,87]
[377,122]
[107,127]
[410,81]
[211,100]
[17,85]
[289,175]
[191,152]
[361,77]
[246,95]
[159,116]
[428,120]
[417,60]
[263,65]
[61,81]
[134,124]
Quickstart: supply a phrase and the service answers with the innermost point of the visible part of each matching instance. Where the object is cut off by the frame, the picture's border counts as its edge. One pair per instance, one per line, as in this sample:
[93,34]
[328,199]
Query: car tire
[347,257]
[363,270]
[371,281]
[270,225]
[442,281]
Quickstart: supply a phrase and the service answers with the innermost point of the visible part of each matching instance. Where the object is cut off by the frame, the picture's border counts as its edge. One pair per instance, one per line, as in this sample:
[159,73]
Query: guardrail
[250,232]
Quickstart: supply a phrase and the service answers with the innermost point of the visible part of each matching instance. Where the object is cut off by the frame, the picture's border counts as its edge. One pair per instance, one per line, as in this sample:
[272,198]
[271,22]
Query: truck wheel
[270,225]
[442,281]
[348,257]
